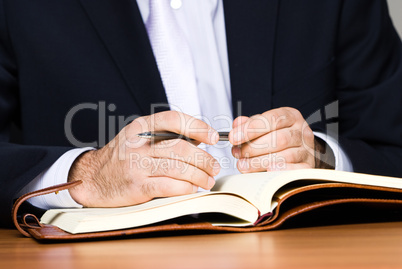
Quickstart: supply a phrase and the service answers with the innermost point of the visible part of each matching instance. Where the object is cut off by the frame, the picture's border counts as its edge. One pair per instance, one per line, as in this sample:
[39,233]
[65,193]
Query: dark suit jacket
[304,54]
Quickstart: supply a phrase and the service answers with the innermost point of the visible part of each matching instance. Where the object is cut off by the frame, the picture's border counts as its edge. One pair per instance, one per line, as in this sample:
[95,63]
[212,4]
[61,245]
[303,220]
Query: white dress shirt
[204,27]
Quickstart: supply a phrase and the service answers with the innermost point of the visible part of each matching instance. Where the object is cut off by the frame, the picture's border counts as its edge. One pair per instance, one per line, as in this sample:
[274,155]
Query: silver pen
[158,136]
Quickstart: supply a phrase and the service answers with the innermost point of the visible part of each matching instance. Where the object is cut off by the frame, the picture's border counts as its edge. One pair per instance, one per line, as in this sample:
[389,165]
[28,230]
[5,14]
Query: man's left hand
[278,139]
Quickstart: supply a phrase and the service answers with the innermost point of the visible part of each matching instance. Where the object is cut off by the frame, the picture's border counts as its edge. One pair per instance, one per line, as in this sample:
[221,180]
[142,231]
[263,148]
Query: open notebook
[248,202]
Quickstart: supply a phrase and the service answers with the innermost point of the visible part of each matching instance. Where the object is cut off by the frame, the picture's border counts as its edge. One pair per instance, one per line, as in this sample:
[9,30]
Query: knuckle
[193,175]
[296,136]
[293,112]
[209,158]
[278,118]
[203,160]
[149,189]
[144,123]
[277,114]
[252,124]
[290,114]
[155,121]
[308,134]
[188,188]
[302,155]
[198,178]
[258,122]
[211,165]
[161,168]
[171,115]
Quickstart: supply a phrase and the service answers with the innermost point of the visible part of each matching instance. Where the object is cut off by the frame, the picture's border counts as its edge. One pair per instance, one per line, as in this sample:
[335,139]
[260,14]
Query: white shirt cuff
[342,161]
[56,174]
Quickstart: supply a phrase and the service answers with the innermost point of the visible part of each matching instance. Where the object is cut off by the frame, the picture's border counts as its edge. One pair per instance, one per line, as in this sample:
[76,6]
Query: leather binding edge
[20,226]
[48,232]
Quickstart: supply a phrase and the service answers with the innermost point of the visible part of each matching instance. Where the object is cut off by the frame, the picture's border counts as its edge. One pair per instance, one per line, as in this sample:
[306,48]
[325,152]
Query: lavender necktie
[173,58]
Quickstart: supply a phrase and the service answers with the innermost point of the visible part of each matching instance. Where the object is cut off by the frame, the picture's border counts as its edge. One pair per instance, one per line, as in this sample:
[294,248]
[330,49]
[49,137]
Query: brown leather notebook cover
[298,202]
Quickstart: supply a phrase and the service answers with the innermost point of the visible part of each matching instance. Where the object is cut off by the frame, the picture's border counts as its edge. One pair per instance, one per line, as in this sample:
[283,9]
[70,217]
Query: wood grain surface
[345,246]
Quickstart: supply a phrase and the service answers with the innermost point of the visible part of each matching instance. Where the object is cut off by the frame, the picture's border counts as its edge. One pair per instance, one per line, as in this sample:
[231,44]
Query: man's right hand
[132,170]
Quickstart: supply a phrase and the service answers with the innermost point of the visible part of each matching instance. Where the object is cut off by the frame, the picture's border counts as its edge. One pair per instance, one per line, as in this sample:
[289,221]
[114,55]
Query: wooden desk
[345,246]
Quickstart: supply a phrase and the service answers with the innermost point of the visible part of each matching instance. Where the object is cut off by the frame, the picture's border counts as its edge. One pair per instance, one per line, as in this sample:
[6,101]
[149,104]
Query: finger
[186,152]
[272,142]
[182,171]
[278,160]
[155,187]
[240,120]
[180,123]
[259,125]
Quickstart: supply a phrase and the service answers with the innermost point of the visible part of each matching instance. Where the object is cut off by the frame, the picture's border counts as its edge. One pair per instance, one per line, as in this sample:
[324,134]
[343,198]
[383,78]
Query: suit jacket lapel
[250,30]
[120,26]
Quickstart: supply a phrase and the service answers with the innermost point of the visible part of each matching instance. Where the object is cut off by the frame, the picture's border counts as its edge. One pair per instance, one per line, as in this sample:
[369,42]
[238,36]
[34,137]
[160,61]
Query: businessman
[80,79]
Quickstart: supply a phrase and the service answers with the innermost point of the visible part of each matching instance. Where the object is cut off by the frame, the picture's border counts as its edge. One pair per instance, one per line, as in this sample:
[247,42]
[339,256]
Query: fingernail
[236,152]
[195,189]
[211,182]
[243,165]
[216,167]
[238,136]
[213,136]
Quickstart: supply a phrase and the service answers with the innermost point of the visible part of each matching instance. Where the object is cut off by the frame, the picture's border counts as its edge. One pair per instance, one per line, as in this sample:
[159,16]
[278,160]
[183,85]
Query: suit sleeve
[19,164]
[369,64]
